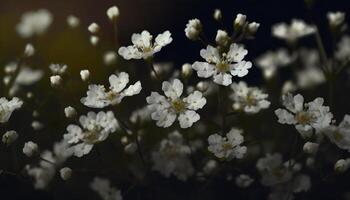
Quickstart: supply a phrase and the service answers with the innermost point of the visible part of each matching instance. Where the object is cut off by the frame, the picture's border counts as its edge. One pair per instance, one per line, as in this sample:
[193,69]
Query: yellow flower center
[178,105]
[303,117]
[222,66]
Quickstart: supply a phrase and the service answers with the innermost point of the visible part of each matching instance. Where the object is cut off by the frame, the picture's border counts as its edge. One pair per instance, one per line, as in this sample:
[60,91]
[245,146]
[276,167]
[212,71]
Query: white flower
[244,181]
[70,112]
[342,165]
[113,13]
[222,66]
[310,77]
[7,107]
[98,97]
[240,20]
[34,23]
[248,99]
[305,117]
[109,58]
[227,147]
[10,68]
[30,148]
[55,80]
[58,69]
[343,49]
[66,173]
[270,61]
[165,109]
[73,21]
[95,128]
[29,50]
[217,14]
[292,32]
[335,18]
[105,190]
[310,147]
[209,166]
[140,115]
[9,137]
[41,175]
[143,46]
[193,29]
[28,76]
[340,135]
[93,28]
[84,74]
[173,157]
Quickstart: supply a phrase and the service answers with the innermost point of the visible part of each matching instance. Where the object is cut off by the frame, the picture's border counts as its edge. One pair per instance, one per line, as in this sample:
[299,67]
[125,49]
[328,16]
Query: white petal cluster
[105,190]
[73,21]
[292,32]
[143,46]
[173,157]
[343,49]
[342,165]
[113,13]
[193,29]
[248,99]
[58,69]
[9,137]
[30,148]
[306,117]
[222,66]
[227,147]
[29,50]
[98,97]
[7,107]
[335,18]
[165,109]
[340,135]
[244,181]
[94,128]
[34,23]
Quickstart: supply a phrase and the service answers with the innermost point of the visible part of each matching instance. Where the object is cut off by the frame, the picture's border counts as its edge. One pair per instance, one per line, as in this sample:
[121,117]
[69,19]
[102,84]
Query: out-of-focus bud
[310,147]
[217,14]
[29,50]
[36,125]
[288,87]
[30,95]
[335,19]
[193,29]
[342,165]
[222,38]
[85,74]
[30,148]
[70,112]
[94,28]
[94,40]
[110,58]
[130,148]
[73,21]
[202,86]
[66,173]
[240,21]
[55,80]
[124,140]
[253,28]
[186,70]
[9,137]
[113,13]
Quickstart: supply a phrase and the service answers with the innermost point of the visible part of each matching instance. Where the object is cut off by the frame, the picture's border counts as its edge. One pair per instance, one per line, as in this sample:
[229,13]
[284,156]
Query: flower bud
[84,74]
[94,28]
[240,20]
[335,19]
[73,21]
[253,28]
[94,40]
[66,173]
[202,86]
[9,137]
[193,29]
[222,38]
[110,58]
[29,50]
[70,112]
[310,147]
[30,149]
[113,13]
[342,165]
[55,80]
[36,125]
[217,14]
[186,70]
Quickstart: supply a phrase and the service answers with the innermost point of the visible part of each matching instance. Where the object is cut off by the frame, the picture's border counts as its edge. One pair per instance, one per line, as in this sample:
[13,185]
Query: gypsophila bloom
[113,13]
[94,40]
[305,117]
[222,66]
[342,165]
[244,181]
[66,173]
[55,80]
[110,58]
[143,47]
[343,49]
[310,147]
[73,21]
[248,99]
[140,115]
[9,137]
[58,69]
[270,61]
[105,190]
[193,29]
[292,32]
[29,50]
[30,148]
[98,97]
[95,129]
[173,157]
[84,75]
[70,112]
[227,147]
[34,23]
[165,109]
[93,28]
[335,18]
[7,107]
[340,135]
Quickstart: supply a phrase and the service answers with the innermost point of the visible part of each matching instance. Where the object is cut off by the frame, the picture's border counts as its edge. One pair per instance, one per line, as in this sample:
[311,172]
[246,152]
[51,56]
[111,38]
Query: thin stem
[222,108]
[322,50]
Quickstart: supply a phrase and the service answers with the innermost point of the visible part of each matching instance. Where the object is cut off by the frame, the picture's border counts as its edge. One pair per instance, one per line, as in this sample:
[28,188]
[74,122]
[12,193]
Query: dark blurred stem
[322,50]
[222,108]
[115,33]
[43,159]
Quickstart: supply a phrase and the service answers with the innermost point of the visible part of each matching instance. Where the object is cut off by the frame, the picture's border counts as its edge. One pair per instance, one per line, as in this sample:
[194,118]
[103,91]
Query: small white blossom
[342,52]
[29,50]
[94,40]
[244,181]
[85,74]
[93,28]
[227,147]
[28,76]
[217,14]
[113,13]
[66,173]
[34,23]
[342,165]
[193,29]
[105,190]
[10,68]
[109,58]
[73,21]
[305,117]
[70,112]
[130,148]
[98,97]
[58,69]
[30,148]
[248,99]
[335,18]
[310,147]
[95,128]
[7,107]
[9,137]
[222,66]
[165,109]
[292,32]
[36,125]
[143,46]
[340,135]
[55,80]
[270,61]
[310,77]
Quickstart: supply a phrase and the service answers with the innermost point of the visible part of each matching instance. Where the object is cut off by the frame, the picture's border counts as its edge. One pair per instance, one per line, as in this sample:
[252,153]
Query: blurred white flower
[310,77]
[248,99]
[55,80]
[7,107]
[58,69]
[94,40]
[173,157]
[310,147]
[84,75]
[110,58]
[340,135]
[29,50]
[93,28]
[335,18]
[95,128]
[98,97]
[270,61]
[342,165]
[342,52]
[34,23]
[292,32]
[305,117]
[9,137]
[73,21]
[140,115]
[113,13]
[28,76]
[217,14]
[66,173]
[30,148]
[244,181]
[227,147]
[105,190]
[222,66]
[165,109]
[143,47]
[193,29]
